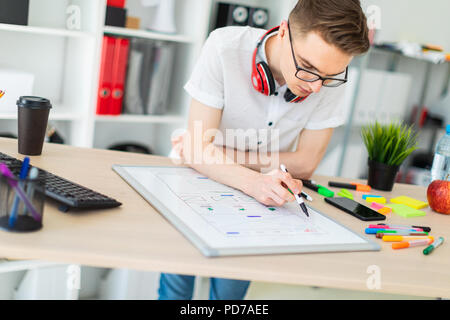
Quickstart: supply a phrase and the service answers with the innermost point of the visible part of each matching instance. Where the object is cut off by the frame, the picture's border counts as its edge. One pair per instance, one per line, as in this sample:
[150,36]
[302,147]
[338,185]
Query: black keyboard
[67,193]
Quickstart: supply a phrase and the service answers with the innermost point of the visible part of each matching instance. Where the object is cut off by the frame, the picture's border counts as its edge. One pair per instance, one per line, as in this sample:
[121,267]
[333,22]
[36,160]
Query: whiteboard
[220,220]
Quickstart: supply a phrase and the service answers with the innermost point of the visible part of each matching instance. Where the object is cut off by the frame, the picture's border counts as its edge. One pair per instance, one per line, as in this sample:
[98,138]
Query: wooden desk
[136,236]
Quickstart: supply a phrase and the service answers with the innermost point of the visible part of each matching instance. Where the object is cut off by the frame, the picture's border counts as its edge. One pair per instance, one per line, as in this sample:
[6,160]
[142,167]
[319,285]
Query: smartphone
[355,209]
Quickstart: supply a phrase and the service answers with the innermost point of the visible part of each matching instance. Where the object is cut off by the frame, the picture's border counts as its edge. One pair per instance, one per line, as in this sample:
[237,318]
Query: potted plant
[388,146]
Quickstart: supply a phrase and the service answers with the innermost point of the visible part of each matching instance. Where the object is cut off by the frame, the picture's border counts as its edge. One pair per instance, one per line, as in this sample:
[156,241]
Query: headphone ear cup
[269,82]
[257,79]
[256,76]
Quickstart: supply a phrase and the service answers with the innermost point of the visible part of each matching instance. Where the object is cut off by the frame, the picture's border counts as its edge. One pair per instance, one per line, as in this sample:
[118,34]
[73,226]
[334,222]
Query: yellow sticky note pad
[410,202]
[376,199]
[405,211]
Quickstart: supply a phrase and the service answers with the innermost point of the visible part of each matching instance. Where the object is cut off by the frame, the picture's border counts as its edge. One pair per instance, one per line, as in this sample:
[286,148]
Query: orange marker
[405,238]
[361,187]
[412,243]
[432,47]
[351,185]
[380,235]
[2,93]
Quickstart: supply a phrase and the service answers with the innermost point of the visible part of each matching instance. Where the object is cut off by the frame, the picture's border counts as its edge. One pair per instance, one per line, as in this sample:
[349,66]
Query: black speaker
[14,12]
[239,15]
[258,17]
[232,15]
[115,17]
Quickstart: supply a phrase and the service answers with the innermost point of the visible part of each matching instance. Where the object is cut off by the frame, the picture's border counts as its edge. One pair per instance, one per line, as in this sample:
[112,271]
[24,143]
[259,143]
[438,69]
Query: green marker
[318,188]
[403,232]
[272,209]
[324,191]
[433,246]
[345,193]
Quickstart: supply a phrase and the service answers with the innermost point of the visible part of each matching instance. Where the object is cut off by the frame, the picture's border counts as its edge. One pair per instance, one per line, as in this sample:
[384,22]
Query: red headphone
[262,78]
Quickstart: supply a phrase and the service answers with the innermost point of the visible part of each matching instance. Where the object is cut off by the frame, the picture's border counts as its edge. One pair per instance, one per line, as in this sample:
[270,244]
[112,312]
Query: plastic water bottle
[441,162]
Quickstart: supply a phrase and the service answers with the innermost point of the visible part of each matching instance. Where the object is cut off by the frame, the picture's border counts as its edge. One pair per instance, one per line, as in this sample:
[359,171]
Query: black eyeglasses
[310,76]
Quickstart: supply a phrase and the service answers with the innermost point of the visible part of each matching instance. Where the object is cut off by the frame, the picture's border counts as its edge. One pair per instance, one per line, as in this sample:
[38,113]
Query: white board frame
[209,251]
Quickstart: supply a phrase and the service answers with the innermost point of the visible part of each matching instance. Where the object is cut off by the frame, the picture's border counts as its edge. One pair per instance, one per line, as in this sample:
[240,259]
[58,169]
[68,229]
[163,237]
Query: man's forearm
[299,165]
[216,164]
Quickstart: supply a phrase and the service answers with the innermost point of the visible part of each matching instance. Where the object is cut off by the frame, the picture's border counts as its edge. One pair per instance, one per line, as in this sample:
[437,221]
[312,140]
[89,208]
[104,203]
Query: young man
[279,91]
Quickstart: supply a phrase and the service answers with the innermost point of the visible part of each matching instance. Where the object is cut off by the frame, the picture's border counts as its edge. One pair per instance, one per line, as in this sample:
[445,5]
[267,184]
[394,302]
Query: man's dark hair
[341,23]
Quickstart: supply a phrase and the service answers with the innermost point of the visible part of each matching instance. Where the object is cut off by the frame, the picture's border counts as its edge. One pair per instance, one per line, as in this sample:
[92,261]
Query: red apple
[438,195]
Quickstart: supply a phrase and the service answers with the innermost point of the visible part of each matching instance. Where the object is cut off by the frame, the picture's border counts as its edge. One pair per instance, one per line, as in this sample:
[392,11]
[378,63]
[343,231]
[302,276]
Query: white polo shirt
[222,79]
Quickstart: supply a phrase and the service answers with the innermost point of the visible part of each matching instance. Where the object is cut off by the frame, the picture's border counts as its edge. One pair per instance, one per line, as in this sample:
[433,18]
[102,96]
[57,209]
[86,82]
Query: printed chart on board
[221,220]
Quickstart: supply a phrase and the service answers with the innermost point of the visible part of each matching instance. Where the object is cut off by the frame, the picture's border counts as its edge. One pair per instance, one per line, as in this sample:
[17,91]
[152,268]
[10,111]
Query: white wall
[409,20]
[413,20]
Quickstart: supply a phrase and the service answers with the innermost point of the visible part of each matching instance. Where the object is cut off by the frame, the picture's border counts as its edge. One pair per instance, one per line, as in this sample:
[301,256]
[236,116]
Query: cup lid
[34,102]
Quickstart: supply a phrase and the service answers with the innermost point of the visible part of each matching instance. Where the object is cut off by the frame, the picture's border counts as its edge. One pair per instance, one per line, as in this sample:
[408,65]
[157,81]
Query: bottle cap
[34,102]
[448,129]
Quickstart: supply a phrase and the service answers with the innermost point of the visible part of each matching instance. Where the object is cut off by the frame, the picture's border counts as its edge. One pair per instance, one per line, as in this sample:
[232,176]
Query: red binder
[116,3]
[105,78]
[119,67]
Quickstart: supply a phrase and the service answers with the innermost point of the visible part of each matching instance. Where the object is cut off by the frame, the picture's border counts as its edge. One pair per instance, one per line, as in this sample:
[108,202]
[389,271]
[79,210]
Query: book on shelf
[148,77]
[160,78]
[119,72]
[112,75]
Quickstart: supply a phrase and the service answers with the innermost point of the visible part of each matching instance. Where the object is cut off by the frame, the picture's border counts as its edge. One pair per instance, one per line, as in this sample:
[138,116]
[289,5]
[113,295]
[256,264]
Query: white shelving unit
[129,118]
[66,66]
[44,31]
[143,34]
[60,116]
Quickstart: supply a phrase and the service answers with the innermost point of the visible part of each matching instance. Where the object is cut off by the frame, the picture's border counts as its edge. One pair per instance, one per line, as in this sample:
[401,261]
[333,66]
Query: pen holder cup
[19,214]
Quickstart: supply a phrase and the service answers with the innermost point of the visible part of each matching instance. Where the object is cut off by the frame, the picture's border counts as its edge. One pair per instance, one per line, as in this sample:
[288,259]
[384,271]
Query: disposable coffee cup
[32,124]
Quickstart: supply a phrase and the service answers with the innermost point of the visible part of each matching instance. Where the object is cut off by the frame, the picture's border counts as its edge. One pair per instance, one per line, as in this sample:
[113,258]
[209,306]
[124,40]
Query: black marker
[299,199]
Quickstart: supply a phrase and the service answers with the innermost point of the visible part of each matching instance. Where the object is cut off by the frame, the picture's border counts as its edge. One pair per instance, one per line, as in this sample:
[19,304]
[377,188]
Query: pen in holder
[21,201]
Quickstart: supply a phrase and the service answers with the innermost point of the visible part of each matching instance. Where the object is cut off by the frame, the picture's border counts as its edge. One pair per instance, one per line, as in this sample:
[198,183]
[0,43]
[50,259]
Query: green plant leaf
[389,144]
